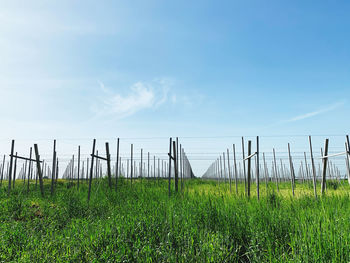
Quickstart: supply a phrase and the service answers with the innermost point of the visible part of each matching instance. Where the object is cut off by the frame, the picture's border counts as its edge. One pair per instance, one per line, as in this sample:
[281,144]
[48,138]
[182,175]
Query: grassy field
[207,223]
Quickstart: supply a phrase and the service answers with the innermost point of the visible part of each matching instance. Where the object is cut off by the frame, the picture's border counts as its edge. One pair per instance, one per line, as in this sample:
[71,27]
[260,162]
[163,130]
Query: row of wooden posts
[217,170]
[181,167]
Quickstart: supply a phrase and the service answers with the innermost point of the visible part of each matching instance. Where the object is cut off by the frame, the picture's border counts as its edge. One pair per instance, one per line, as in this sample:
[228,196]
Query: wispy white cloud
[317,112]
[140,96]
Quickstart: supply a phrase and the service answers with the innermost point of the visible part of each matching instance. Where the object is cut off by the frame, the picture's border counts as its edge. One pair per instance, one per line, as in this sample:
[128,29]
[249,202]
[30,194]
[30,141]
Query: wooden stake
[249,167]
[91,167]
[169,178]
[53,174]
[175,168]
[117,166]
[109,172]
[275,166]
[313,167]
[244,171]
[257,168]
[235,165]
[39,171]
[291,168]
[11,163]
[78,165]
[324,171]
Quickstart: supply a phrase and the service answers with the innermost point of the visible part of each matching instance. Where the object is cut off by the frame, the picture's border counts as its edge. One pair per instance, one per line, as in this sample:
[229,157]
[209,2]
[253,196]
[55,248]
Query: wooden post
[347,162]
[183,170]
[265,172]
[2,170]
[117,166]
[14,173]
[39,171]
[223,159]
[83,172]
[244,171]
[324,171]
[313,167]
[249,167]
[275,165]
[131,163]
[229,169]
[57,170]
[181,166]
[177,157]
[25,172]
[78,165]
[141,163]
[306,167]
[169,178]
[291,168]
[53,174]
[302,172]
[30,169]
[257,168]
[109,173]
[175,168]
[148,164]
[154,167]
[72,171]
[235,165]
[91,167]
[87,169]
[347,148]
[11,164]
[220,168]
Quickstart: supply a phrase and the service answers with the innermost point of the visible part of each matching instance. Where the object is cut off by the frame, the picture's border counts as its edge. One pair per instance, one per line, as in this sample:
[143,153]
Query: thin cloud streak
[140,96]
[315,113]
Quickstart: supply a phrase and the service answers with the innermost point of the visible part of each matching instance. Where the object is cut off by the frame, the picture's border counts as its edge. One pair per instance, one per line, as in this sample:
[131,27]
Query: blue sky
[84,69]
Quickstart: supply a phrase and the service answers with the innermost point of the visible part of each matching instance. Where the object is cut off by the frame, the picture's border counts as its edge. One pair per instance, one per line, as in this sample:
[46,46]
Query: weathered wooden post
[347,162]
[223,159]
[2,170]
[306,167]
[14,173]
[175,168]
[148,165]
[117,166]
[109,173]
[229,169]
[141,163]
[244,170]
[53,173]
[131,163]
[11,164]
[275,166]
[235,167]
[39,171]
[57,170]
[25,173]
[249,167]
[265,172]
[78,165]
[30,169]
[313,167]
[257,168]
[324,171]
[220,168]
[181,166]
[154,167]
[347,149]
[169,178]
[291,168]
[72,171]
[91,167]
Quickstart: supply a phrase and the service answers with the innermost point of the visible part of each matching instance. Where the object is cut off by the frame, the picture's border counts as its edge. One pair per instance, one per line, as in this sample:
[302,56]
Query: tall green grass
[205,223]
